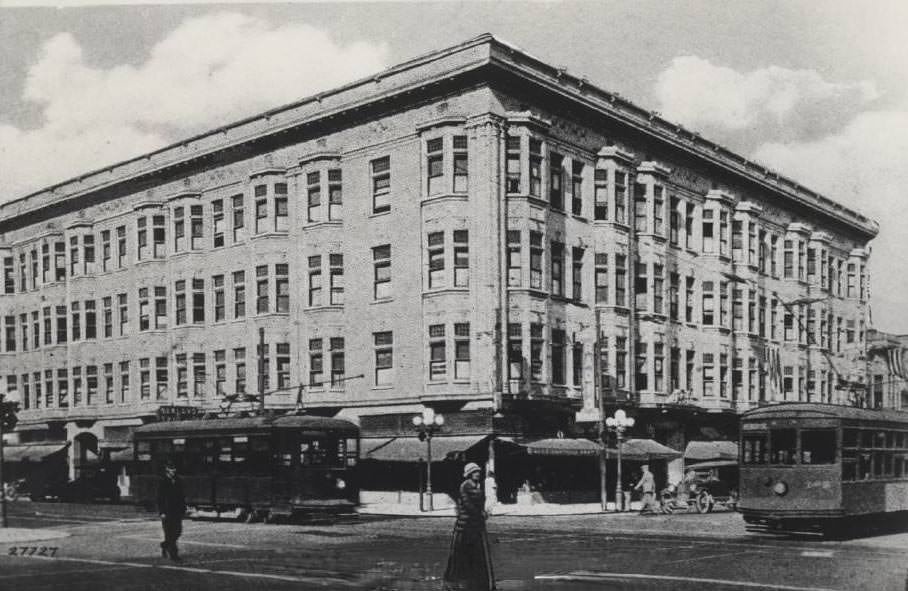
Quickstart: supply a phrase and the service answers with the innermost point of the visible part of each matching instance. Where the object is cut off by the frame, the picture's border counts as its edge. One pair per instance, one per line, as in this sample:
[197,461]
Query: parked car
[99,485]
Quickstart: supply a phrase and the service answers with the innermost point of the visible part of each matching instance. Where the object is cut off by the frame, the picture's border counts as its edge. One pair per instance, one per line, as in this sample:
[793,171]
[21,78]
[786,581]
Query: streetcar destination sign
[178,413]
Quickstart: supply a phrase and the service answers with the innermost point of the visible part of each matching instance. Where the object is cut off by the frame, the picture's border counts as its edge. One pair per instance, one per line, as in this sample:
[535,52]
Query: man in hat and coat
[171,507]
[469,564]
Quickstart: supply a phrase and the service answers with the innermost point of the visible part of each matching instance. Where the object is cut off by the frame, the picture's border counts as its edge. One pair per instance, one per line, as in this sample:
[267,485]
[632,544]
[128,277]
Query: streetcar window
[890,439]
[888,464]
[864,466]
[900,439]
[144,446]
[755,448]
[818,446]
[849,465]
[784,446]
[352,452]
[850,438]
[878,464]
[866,439]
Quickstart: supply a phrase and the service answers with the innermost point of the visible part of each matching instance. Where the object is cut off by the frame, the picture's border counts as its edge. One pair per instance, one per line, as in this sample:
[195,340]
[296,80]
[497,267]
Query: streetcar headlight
[780,488]
[340,484]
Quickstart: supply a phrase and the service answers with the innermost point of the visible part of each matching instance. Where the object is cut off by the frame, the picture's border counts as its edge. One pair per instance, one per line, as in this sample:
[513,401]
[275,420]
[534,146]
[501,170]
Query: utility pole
[599,389]
[2,480]
[262,369]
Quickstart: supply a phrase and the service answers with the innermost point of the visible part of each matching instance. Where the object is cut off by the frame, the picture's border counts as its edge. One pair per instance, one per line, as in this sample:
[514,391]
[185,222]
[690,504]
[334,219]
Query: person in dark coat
[171,507]
[469,564]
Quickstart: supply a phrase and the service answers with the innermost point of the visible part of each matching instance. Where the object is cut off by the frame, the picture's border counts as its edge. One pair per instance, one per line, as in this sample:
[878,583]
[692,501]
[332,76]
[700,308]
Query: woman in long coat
[469,564]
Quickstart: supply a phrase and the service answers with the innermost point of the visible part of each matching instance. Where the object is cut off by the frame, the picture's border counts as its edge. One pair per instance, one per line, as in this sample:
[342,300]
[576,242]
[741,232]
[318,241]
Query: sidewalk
[500,509]
[22,534]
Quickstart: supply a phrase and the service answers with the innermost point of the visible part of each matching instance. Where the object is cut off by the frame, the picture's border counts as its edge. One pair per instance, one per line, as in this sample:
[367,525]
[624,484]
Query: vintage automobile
[715,483]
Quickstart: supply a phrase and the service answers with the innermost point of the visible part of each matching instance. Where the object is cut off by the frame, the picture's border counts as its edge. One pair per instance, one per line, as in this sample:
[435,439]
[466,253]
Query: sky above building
[815,90]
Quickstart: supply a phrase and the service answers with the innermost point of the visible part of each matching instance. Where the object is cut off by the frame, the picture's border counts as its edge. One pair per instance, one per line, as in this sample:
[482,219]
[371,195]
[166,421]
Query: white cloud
[772,101]
[209,71]
[863,166]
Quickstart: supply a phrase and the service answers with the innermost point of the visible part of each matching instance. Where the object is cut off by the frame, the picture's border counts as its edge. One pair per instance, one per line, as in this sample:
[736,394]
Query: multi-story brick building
[887,361]
[468,231]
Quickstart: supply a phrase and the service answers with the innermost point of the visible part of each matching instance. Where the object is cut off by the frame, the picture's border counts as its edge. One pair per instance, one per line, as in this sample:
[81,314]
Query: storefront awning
[644,450]
[21,427]
[122,455]
[411,449]
[700,451]
[31,453]
[562,447]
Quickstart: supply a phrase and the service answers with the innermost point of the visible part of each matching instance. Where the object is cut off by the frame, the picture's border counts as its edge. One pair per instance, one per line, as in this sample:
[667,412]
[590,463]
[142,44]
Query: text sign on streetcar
[178,413]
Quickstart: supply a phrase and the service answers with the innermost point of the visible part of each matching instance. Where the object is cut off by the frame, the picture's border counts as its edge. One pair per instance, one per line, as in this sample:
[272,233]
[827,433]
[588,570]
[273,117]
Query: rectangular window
[577,274]
[620,196]
[658,288]
[48,326]
[10,328]
[515,352]
[159,236]
[557,349]
[707,226]
[179,229]
[689,226]
[709,303]
[709,376]
[124,381]
[198,301]
[556,181]
[513,164]
[220,373]
[335,194]
[620,280]
[802,259]
[282,288]
[48,387]
[674,287]
[337,362]
[577,187]
[640,221]
[239,294]
[674,219]
[161,378]
[461,258]
[773,318]
[436,256]
[641,287]
[384,358]
[124,313]
[260,193]
[751,311]
[600,194]
[751,243]
[557,269]
[851,283]
[198,375]
[76,321]
[621,362]
[121,247]
[435,165]
[723,304]
[239,218]
[737,240]
[462,370]
[336,262]
[788,382]
[262,304]
[77,386]
[62,332]
[88,248]
[381,185]
[535,260]
[217,215]
[737,309]
[196,227]
[36,330]
[107,307]
[179,296]
[314,196]
[537,346]
[281,212]
[535,167]
[658,210]
[601,278]
[160,307]
[9,275]
[60,261]
[39,397]
[659,368]
[641,367]
[283,365]
[105,250]
[723,233]
[315,280]
[91,320]
[45,264]
[73,261]
[381,261]
[788,321]
[461,164]
[674,369]
[515,263]
[437,353]
[217,282]
[239,365]
[144,379]
[577,364]
[62,388]
[788,260]
[689,299]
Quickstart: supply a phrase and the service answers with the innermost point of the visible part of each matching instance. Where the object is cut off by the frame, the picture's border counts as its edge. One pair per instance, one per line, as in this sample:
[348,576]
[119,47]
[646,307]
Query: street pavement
[116,547]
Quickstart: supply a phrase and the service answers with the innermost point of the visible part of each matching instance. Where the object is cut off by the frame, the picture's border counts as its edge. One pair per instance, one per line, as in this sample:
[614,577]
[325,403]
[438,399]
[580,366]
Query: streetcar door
[285,464]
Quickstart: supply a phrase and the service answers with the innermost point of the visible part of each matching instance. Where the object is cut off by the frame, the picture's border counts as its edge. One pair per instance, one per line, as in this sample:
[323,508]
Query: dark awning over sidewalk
[561,447]
[697,451]
[411,449]
[644,450]
[31,453]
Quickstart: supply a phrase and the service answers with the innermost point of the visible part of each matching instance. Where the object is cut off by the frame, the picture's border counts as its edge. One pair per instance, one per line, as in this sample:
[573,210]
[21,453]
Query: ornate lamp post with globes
[427,424]
[619,423]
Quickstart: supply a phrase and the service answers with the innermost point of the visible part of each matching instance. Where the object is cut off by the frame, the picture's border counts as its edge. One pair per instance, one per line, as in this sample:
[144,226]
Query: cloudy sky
[817,90]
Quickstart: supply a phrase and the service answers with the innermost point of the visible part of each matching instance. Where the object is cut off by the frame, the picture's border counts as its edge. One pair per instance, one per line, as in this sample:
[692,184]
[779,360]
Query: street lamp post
[619,423]
[427,424]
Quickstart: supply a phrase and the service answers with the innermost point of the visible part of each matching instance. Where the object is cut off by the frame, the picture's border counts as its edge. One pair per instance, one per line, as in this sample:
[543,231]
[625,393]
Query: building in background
[888,370]
[473,230]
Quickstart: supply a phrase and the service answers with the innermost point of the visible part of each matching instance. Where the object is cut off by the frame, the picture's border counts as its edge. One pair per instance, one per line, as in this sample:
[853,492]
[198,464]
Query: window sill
[269,314]
[314,225]
[580,218]
[611,223]
[323,308]
[440,291]
[443,197]
[378,214]
[270,234]
[381,301]
[382,387]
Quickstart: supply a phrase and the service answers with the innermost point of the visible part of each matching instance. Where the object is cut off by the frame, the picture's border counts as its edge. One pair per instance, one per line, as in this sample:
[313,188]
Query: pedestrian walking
[469,564]
[648,485]
[171,507]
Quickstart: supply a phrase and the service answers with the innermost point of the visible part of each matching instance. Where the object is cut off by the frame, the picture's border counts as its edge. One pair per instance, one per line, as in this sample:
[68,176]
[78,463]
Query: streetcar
[821,467]
[256,467]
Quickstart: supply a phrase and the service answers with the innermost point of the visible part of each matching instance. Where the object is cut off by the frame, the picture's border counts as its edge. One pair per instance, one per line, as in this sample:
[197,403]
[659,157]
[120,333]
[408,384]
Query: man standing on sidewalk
[171,507]
[648,485]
